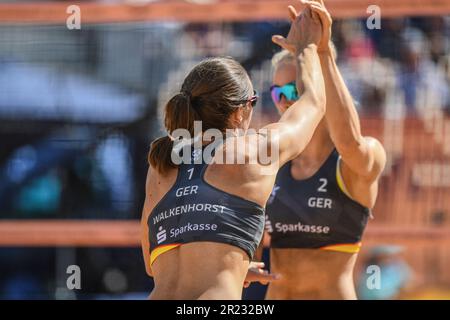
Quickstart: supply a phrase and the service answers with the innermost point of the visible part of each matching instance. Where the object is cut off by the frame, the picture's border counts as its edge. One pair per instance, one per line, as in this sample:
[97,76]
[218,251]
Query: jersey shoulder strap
[195,167]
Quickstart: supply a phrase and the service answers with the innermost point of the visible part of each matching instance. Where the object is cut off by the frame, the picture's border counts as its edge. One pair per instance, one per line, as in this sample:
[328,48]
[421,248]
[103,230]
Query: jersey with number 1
[195,211]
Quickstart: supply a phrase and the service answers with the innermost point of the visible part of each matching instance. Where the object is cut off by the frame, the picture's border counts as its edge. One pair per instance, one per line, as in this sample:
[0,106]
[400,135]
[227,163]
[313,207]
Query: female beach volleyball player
[321,201]
[203,222]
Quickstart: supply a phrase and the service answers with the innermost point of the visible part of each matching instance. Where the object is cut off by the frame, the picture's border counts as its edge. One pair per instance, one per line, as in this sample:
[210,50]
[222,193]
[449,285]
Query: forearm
[341,115]
[310,85]
[310,81]
[302,117]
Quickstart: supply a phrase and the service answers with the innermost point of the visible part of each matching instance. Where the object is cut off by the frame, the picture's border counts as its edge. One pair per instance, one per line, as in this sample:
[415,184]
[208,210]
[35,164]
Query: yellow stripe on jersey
[340,180]
[160,250]
[347,248]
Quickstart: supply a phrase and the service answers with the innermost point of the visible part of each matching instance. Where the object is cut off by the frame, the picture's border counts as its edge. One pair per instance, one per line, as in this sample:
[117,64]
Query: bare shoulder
[240,173]
[241,149]
[373,143]
[364,188]
[156,186]
[378,156]
[366,162]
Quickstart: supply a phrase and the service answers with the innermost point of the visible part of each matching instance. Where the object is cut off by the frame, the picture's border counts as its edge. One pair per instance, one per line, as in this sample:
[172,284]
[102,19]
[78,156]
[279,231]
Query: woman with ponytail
[202,221]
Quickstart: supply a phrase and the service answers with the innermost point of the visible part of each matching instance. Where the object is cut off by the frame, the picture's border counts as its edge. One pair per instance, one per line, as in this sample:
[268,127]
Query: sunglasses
[289,91]
[253,99]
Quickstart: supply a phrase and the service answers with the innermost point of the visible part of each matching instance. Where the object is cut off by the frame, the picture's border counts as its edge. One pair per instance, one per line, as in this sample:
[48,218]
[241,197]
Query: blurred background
[79,108]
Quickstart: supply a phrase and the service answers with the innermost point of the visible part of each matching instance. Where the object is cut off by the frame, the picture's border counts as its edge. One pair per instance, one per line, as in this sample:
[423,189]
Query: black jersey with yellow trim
[315,213]
[195,211]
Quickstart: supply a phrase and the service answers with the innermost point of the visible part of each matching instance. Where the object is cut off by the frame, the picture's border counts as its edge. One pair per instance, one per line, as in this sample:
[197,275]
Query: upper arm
[291,134]
[366,158]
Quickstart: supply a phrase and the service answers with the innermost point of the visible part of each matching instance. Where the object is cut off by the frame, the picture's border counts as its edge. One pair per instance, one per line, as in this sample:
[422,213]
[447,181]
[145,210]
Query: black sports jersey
[193,210]
[314,212]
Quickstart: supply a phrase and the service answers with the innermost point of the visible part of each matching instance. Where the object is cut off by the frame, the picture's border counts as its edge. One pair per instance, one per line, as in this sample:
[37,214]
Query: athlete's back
[205,217]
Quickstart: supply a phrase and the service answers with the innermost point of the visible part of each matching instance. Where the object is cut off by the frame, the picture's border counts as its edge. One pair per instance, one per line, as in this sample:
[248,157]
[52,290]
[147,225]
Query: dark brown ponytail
[159,156]
[208,94]
[178,114]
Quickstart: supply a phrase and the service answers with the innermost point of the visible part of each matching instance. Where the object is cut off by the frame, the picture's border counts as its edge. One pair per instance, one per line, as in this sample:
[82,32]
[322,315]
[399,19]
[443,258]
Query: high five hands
[311,26]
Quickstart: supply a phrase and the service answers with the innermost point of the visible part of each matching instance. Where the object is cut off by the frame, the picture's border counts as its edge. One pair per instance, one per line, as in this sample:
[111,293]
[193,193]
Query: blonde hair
[284,56]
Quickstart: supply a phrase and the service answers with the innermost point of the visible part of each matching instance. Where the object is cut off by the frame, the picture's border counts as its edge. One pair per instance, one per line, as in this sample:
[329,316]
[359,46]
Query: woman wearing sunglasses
[202,222]
[322,199]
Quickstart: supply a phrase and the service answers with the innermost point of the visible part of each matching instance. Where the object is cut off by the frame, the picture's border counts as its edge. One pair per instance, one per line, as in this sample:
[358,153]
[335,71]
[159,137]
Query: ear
[237,117]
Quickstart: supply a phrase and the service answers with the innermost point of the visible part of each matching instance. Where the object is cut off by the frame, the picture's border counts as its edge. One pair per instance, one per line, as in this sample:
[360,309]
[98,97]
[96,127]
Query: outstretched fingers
[292,13]
[283,43]
[320,11]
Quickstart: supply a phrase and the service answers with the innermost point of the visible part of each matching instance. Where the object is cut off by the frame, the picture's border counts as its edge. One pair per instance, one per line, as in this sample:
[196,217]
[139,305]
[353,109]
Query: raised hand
[318,8]
[305,29]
